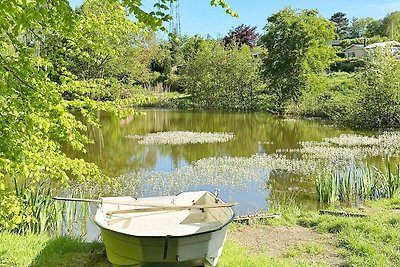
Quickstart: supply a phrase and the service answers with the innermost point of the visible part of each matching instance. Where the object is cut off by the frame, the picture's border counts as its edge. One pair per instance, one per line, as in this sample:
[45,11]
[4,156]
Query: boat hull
[203,249]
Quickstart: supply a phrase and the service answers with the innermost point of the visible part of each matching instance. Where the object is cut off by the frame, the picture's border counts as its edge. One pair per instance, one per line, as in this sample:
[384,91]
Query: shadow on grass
[67,252]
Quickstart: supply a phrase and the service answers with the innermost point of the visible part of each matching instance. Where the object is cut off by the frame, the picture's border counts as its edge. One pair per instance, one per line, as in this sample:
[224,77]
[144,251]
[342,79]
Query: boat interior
[162,222]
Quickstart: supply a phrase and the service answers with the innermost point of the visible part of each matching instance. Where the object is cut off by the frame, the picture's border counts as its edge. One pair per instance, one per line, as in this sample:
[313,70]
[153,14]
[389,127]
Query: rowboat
[185,230]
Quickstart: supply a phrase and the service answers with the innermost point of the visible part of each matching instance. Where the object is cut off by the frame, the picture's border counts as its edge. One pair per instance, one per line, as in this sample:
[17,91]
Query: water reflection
[254,133]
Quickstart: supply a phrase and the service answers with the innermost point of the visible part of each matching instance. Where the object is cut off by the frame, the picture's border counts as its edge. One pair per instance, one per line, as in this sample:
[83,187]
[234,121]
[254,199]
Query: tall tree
[341,23]
[296,41]
[374,28]
[391,26]
[242,34]
[35,117]
[359,27]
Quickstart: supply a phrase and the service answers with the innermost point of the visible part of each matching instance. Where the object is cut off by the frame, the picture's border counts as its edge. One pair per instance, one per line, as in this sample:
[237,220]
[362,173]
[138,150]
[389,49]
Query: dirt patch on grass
[298,242]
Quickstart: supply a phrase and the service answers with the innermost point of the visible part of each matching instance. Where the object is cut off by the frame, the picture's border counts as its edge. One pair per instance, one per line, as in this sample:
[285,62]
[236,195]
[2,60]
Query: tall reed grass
[47,215]
[355,185]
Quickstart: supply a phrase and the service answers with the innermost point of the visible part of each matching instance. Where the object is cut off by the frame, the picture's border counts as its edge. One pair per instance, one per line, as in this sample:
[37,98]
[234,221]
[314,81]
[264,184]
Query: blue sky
[198,17]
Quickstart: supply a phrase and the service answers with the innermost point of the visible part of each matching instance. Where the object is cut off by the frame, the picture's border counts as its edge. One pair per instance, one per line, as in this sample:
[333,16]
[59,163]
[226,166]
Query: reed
[357,184]
[48,216]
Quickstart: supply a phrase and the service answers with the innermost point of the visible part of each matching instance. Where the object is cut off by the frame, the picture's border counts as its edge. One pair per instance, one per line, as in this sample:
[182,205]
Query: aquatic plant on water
[181,138]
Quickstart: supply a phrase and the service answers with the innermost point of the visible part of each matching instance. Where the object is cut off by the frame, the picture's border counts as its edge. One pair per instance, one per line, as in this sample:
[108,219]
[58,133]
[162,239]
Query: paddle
[149,207]
[172,207]
[120,202]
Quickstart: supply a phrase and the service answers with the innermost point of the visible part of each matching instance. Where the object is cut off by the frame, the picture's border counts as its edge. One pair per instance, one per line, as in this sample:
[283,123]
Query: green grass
[37,250]
[367,241]
[20,250]
[370,241]
[308,248]
[235,254]
[358,185]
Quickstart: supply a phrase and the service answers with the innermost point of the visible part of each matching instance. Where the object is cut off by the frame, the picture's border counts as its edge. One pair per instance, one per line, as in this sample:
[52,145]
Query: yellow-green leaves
[224,5]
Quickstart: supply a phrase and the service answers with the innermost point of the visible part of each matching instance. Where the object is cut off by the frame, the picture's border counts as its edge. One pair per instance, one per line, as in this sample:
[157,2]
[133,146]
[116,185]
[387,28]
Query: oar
[172,207]
[151,206]
[121,202]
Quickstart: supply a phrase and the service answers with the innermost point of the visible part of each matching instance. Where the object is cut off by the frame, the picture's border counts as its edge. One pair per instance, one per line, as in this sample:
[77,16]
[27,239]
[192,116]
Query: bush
[219,78]
[325,95]
[375,102]
[347,65]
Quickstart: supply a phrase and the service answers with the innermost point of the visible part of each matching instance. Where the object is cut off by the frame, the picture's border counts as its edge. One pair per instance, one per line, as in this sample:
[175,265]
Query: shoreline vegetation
[104,56]
[296,238]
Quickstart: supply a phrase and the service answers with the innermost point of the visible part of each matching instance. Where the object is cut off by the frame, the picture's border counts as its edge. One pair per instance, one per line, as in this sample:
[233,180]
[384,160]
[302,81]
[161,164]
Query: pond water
[253,168]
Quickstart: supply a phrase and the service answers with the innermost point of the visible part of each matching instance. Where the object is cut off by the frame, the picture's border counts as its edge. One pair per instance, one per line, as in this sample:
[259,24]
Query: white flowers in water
[182,137]
[235,172]
[351,147]
[242,172]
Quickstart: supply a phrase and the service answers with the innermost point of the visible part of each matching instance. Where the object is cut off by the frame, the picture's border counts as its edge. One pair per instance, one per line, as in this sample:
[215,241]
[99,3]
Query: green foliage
[362,27]
[326,95]
[391,26]
[341,25]
[297,47]
[32,210]
[358,185]
[39,42]
[347,65]
[375,102]
[219,78]
[13,212]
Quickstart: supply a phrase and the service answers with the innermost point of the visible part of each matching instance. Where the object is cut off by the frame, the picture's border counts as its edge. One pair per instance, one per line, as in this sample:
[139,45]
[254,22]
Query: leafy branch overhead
[52,59]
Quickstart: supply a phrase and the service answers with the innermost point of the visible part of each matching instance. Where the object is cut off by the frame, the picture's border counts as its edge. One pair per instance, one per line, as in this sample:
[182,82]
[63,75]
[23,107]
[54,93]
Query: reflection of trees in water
[287,189]
[116,155]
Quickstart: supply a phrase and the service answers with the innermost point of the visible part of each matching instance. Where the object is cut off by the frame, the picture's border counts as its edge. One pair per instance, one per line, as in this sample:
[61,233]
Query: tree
[391,26]
[374,28]
[296,41]
[222,79]
[375,102]
[359,27]
[242,34]
[341,23]
[35,115]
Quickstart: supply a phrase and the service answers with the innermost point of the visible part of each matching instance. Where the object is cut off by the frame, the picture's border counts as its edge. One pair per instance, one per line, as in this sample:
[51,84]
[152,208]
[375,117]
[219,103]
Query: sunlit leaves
[297,44]
[38,88]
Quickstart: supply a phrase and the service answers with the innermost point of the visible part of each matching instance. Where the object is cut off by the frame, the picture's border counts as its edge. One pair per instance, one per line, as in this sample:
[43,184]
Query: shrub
[325,95]
[375,102]
[219,78]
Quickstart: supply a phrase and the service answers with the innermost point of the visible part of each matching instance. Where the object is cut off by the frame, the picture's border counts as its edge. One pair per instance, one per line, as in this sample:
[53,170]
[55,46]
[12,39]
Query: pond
[262,162]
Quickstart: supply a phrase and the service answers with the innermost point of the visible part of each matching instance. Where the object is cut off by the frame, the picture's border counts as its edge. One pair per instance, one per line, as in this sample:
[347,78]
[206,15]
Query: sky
[198,17]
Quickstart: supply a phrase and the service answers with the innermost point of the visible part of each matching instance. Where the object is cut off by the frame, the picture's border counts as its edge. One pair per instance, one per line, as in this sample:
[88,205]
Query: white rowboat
[185,230]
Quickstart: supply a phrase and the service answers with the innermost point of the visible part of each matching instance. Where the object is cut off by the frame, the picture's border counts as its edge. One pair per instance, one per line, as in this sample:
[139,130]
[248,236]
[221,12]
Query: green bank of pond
[372,240]
[268,158]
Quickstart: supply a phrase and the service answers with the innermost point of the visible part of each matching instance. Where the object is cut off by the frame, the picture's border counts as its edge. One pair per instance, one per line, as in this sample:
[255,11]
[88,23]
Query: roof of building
[354,45]
[383,44]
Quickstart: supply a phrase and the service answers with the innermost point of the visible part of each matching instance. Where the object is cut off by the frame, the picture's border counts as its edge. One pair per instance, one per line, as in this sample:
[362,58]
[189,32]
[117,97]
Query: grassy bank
[372,240]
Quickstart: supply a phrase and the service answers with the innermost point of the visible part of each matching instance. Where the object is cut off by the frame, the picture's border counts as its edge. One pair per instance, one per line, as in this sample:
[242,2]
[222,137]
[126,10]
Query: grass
[33,210]
[367,241]
[371,241]
[37,250]
[20,250]
[358,184]
[311,248]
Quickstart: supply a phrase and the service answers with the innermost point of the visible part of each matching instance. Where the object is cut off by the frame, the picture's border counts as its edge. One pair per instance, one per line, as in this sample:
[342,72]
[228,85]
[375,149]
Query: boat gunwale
[176,236]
